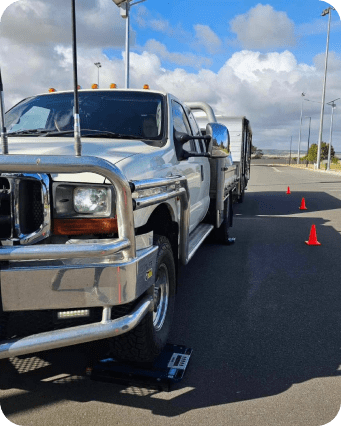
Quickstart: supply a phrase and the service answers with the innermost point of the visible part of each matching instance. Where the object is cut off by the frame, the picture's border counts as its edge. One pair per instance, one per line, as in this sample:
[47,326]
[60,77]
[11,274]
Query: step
[197,237]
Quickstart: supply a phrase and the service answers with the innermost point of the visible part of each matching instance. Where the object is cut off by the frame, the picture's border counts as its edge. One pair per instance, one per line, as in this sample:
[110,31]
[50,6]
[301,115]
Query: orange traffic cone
[288,191]
[303,206]
[313,237]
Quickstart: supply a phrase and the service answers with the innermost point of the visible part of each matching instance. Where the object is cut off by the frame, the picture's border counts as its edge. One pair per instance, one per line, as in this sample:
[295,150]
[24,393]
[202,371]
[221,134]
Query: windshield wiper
[96,133]
[102,133]
[28,132]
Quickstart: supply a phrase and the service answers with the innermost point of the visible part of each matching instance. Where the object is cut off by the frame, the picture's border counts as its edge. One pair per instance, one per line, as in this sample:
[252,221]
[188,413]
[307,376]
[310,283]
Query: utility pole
[324,13]
[98,65]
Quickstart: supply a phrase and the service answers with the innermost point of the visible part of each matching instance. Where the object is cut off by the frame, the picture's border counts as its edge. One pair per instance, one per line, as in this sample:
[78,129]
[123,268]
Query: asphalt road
[262,316]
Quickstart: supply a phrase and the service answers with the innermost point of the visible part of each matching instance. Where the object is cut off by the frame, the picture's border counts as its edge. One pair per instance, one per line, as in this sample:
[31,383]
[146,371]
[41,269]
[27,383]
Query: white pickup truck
[91,243]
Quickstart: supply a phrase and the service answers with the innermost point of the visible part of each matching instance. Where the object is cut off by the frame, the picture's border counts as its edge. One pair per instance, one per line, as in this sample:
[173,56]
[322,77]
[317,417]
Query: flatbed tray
[168,368]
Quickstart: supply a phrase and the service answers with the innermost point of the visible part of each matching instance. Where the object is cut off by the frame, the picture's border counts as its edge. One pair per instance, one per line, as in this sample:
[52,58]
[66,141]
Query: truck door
[199,146]
[191,168]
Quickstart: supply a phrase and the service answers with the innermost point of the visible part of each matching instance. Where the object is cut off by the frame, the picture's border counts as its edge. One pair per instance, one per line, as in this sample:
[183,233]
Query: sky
[243,57]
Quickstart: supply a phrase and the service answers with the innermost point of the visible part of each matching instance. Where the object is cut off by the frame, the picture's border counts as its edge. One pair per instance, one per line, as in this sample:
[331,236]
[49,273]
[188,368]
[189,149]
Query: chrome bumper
[77,283]
[75,335]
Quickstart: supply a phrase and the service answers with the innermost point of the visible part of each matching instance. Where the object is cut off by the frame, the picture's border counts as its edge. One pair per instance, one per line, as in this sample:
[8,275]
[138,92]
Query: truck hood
[113,150]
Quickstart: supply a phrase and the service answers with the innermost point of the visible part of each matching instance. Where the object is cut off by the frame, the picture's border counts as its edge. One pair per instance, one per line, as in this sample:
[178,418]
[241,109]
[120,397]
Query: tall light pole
[308,133]
[324,13]
[125,6]
[299,140]
[98,65]
[333,105]
[290,150]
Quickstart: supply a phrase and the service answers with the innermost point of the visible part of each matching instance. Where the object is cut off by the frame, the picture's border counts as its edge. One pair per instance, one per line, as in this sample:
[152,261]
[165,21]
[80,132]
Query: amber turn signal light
[84,226]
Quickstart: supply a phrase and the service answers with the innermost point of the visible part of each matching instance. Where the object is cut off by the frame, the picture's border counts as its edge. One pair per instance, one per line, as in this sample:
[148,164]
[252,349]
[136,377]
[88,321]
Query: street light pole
[290,150]
[98,65]
[333,105]
[127,62]
[299,140]
[325,12]
[308,135]
[125,6]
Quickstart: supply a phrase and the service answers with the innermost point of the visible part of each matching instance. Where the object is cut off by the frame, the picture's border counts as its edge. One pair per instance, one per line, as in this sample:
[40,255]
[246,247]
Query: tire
[145,342]
[221,234]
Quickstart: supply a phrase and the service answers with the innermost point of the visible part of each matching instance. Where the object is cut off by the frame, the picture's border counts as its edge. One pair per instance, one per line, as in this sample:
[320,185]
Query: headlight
[92,200]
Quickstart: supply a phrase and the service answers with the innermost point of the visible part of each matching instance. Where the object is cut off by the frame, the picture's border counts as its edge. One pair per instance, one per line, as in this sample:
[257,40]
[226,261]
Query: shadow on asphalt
[261,316]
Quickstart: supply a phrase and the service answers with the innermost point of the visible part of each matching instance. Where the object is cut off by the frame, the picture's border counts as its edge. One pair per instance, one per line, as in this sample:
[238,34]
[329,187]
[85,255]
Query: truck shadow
[261,315]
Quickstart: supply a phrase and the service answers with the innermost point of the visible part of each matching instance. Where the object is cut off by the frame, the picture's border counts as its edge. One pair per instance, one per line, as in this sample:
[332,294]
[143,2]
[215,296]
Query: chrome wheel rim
[161,297]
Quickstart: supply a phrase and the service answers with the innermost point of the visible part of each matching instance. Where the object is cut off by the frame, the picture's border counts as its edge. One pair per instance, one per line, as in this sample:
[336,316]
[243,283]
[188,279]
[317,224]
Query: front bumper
[77,283]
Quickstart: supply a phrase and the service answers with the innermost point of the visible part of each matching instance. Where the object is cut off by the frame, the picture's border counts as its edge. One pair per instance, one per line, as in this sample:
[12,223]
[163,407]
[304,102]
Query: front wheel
[145,342]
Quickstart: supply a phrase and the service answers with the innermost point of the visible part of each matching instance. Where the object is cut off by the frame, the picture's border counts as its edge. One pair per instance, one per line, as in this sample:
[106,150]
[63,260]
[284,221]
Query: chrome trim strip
[63,251]
[158,198]
[72,164]
[76,335]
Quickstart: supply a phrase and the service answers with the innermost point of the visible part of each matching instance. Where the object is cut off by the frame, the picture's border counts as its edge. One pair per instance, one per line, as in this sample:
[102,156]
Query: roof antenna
[4,139]
[76,125]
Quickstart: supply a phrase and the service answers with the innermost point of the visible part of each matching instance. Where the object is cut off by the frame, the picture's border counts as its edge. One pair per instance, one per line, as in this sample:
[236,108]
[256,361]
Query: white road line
[276,170]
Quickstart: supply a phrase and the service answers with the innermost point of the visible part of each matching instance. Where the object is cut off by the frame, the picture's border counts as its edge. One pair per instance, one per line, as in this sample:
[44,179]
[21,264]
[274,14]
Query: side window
[195,131]
[181,124]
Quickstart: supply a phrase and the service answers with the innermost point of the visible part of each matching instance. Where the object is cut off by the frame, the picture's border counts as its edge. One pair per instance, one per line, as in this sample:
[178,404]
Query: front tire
[145,342]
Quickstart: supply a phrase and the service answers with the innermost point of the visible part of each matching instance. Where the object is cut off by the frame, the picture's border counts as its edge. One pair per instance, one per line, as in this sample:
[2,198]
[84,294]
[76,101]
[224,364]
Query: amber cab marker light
[84,226]
[51,90]
[146,86]
[94,86]
[113,86]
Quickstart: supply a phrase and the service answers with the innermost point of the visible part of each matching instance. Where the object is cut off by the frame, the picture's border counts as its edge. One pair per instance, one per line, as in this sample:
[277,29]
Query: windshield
[135,114]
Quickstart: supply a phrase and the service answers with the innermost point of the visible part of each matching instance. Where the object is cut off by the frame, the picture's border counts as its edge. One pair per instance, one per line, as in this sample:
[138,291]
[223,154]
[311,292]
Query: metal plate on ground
[168,368]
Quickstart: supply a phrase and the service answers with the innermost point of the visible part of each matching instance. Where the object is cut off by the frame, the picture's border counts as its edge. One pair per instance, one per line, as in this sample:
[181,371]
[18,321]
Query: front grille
[24,207]
[31,209]
[5,209]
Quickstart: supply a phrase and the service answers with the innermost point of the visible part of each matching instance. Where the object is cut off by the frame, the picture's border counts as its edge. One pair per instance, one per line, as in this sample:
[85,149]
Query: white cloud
[207,38]
[182,59]
[262,27]
[44,22]
[264,87]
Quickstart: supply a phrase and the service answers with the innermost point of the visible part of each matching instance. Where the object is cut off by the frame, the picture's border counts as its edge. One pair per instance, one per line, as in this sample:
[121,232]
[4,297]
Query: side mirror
[182,138]
[220,137]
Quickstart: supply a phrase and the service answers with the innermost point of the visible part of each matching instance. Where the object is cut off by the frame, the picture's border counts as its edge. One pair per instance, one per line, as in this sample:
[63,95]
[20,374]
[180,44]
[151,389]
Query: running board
[197,237]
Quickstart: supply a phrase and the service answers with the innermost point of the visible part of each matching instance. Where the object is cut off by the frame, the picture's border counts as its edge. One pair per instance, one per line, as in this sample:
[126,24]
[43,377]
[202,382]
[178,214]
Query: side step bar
[75,335]
[197,237]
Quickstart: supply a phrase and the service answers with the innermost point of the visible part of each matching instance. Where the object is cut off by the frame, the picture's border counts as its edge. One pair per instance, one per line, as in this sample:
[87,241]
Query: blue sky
[249,58]
[310,27]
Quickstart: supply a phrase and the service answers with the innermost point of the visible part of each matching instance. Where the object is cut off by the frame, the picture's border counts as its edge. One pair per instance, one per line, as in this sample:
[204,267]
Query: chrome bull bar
[76,335]
[70,164]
